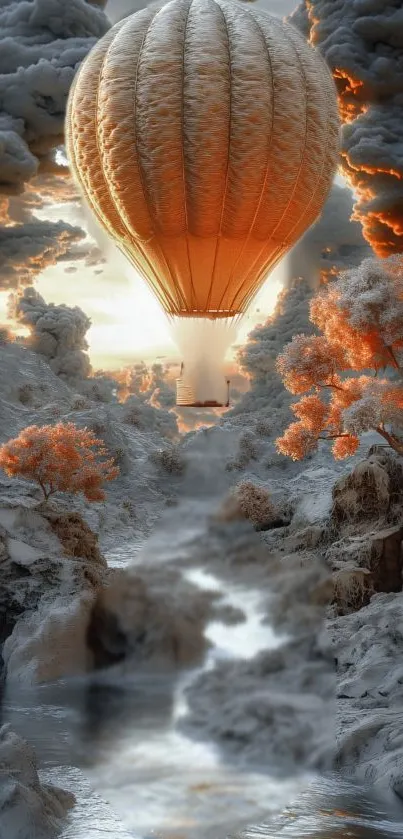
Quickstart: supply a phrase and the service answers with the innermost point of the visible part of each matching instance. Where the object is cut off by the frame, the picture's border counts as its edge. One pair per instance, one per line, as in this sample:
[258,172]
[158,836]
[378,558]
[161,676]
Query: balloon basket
[186,398]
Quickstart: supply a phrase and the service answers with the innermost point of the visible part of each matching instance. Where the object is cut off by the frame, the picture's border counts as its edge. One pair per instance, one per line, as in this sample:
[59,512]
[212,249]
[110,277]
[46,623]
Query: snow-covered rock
[273,712]
[51,643]
[28,808]
[47,589]
[149,618]
[368,645]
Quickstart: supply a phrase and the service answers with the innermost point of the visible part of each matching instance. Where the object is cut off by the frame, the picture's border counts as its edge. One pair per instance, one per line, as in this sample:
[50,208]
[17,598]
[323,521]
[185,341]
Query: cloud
[42,43]
[27,249]
[257,358]
[56,332]
[332,244]
[362,42]
[300,18]
[118,9]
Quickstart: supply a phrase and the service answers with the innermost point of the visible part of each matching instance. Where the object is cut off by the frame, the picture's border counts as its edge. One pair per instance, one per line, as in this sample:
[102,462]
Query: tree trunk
[386,560]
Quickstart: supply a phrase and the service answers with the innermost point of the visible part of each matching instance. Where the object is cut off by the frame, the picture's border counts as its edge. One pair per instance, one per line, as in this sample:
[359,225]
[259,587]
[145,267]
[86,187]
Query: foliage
[169,460]
[248,450]
[60,458]
[255,503]
[149,418]
[6,336]
[76,536]
[80,403]
[361,319]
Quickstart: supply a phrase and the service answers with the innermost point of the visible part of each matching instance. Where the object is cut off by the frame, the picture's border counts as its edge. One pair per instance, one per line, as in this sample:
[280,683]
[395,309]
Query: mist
[204,343]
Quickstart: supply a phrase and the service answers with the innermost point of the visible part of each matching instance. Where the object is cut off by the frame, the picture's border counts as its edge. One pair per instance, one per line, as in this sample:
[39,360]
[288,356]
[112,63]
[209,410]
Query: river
[112,741]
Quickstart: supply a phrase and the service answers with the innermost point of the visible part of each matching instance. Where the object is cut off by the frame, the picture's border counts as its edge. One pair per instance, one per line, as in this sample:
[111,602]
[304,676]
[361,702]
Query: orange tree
[360,316]
[60,458]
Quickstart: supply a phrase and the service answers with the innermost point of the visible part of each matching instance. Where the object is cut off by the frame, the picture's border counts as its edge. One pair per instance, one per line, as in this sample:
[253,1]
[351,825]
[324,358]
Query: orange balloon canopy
[204,135]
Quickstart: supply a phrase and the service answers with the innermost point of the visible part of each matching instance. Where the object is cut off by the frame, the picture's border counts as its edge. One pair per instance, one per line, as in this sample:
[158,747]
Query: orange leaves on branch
[297,441]
[345,446]
[60,458]
[361,348]
[362,312]
[309,361]
[361,318]
[312,412]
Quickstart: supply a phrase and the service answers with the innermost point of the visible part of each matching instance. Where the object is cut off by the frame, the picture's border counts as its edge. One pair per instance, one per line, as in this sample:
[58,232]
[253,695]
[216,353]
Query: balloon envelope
[204,134]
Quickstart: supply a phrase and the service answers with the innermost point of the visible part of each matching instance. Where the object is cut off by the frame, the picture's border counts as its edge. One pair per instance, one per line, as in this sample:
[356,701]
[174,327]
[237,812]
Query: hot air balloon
[204,135]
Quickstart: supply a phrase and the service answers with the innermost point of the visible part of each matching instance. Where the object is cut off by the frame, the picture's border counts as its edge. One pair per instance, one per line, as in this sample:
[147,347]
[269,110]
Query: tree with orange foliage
[360,316]
[60,458]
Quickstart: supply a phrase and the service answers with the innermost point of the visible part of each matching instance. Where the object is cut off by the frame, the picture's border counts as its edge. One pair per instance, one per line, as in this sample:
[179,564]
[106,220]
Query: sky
[362,48]
[127,322]
[115,9]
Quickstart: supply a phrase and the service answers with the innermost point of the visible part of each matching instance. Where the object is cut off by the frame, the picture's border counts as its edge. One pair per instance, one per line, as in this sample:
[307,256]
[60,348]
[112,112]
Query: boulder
[28,808]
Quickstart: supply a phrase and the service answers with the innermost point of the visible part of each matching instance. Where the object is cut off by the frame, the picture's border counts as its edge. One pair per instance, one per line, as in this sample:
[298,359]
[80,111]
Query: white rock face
[370,691]
[50,643]
[27,808]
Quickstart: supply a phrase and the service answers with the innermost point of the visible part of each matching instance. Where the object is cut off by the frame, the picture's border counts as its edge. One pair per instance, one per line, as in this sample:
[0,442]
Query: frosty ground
[68,607]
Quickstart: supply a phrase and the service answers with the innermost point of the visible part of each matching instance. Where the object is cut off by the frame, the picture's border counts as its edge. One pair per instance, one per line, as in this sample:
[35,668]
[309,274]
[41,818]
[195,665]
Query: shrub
[247,450]
[80,403]
[372,490]
[129,506]
[54,409]
[361,318]
[170,460]
[61,458]
[26,394]
[120,458]
[133,415]
[352,589]
[248,447]
[263,427]
[76,536]
[256,504]
[149,417]
[98,427]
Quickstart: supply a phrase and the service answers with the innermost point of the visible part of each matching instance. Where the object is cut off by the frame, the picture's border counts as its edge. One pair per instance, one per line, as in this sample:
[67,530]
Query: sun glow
[127,324]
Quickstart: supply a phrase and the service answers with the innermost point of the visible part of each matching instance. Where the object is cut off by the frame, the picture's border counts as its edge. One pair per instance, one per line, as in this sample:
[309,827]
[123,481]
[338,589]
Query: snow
[27,807]
[22,553]
[182,570]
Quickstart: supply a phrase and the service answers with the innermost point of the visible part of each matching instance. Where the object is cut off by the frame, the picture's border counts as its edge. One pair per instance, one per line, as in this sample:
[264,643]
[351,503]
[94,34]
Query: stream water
[112,741]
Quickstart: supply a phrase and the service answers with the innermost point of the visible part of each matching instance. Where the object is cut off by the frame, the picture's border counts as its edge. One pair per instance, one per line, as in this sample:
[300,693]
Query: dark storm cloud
[56,332]
[27,249]
[42,43]
[363,43]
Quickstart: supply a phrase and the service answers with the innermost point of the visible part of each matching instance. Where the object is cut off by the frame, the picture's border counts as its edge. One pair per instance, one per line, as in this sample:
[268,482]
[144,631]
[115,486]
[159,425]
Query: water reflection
[334,808]
[161,784]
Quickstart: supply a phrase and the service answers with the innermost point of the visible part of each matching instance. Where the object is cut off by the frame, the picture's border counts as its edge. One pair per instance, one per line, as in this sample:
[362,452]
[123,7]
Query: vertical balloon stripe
[252,120]
[159,117]
[206,109]
[82,137]
[316,125]
[117,125]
